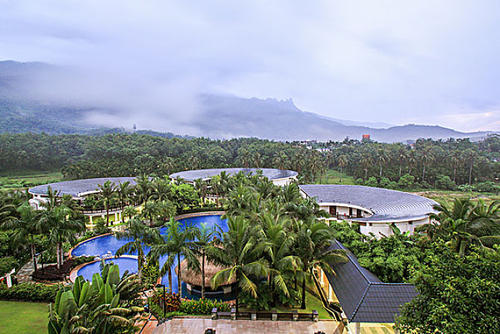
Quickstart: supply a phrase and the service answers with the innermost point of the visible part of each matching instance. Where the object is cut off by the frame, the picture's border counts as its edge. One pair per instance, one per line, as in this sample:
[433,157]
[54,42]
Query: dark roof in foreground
[270,173]
[363,297]
[385,204]
[77,187]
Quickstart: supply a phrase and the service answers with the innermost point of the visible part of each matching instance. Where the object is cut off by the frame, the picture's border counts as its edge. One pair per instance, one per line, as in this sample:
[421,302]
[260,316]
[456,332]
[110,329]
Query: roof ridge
[360,302]
[356,264]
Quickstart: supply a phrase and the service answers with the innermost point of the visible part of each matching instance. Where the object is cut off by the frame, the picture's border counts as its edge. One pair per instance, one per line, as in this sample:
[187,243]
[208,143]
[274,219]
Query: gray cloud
[425,62]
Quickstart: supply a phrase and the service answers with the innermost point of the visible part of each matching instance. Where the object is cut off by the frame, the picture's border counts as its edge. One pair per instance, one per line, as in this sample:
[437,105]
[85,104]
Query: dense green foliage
[457,295]
[442,164]
[33,292]
[107,304]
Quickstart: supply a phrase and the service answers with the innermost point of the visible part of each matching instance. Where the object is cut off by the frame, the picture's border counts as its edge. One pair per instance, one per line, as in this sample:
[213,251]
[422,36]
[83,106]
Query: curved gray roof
[385,204]
[77,187]
[270,173]
[363,297]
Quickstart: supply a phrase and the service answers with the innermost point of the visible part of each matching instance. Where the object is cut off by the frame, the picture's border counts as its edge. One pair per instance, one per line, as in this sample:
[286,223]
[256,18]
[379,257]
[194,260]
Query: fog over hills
[30,101]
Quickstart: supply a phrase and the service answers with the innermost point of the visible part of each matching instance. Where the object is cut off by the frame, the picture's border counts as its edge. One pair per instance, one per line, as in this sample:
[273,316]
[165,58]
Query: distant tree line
[427,163]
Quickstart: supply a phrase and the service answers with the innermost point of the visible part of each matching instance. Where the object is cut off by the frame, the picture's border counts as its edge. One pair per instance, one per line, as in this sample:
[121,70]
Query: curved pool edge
[200,214]
[74,272]
[70,252]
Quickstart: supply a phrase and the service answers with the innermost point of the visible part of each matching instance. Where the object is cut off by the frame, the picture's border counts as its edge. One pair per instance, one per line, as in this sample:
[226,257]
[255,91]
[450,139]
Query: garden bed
[50,273]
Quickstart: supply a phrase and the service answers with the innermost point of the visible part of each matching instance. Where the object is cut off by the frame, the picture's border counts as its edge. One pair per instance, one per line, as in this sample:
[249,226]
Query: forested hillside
[428,163]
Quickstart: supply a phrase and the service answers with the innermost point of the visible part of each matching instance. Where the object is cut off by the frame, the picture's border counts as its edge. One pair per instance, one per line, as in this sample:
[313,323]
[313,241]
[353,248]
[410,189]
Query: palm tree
[140,236]
[202,187]
[427,156]
[278,244]
[240,253]
[382,158]
[129,211]
[53,199]
[107,195]
[180,243]
[204,242]
[313,246]
[470,156]
[124,192]
[403,157]
[63,225]
[466,223]
[26,228]
[143,188]
[455,160]
[342,162]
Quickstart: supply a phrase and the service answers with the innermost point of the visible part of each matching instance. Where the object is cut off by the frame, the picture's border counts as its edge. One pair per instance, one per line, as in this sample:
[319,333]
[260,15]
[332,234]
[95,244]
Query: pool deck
[197,325]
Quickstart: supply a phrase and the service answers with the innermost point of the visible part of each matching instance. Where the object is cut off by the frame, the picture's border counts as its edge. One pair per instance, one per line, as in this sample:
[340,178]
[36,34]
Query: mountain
[22,110]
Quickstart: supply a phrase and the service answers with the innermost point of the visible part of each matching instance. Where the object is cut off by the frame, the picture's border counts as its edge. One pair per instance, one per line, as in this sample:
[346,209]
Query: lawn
[23,317]
[312,303]
[447,196]
[333,176]
[28,179]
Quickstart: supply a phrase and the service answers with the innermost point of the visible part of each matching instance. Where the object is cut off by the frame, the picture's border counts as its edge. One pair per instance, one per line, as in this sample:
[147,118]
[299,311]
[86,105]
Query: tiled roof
[385,204]
[77,187]
[270,173]
[363,297]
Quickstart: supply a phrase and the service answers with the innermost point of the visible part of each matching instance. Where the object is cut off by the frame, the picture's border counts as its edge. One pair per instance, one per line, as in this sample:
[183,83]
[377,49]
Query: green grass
[312,303]
[28,179]
[23,317]
[448,196]
[333,176]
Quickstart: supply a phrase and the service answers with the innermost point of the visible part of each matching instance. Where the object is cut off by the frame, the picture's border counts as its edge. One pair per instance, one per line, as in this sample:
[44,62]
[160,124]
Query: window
[369,224]
[333,210]
[410,223]
[359,213]
[350,212]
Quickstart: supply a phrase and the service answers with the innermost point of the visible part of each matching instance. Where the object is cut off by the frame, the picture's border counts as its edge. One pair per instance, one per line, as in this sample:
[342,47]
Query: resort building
[279,177]
[78,190]
[365,300]
[373,209]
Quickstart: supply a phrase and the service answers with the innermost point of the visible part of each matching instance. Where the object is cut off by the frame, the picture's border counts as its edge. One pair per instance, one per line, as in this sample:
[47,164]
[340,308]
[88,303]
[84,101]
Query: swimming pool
[125,263]
[109,244]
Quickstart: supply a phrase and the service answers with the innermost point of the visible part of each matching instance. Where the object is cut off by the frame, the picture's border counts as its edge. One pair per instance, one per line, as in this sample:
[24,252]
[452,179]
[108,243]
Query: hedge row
[31,292]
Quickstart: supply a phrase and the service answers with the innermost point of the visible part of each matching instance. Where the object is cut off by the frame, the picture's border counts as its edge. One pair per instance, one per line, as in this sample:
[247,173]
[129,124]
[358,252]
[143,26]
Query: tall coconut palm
[204,242]
[129,211]
[63,225]
[342,162]
[427,156]
[240,253]
[26,228]
[143,188]
[382,158]
[107,196]
[313,247]
[139,235]
[53,199]
[124,193]
[182,245]
[278,244]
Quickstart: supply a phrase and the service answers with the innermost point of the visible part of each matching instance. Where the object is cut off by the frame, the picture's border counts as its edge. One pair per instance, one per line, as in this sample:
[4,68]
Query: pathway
[193,325]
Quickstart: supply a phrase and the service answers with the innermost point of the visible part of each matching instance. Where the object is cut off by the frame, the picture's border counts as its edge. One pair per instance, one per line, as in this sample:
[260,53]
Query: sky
[398,62]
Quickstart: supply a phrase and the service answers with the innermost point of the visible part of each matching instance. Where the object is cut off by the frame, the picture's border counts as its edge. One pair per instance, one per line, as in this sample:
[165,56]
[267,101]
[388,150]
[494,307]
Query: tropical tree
[240,252]
[129,211]
[465,223]
[313,247]
[106,196]
[26,228]
[140,236]
[62,224]
[203,245]
[124,193]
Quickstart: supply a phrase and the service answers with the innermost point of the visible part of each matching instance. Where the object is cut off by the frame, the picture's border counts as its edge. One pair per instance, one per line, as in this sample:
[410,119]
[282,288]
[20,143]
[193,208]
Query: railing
[262,315]
[111,210]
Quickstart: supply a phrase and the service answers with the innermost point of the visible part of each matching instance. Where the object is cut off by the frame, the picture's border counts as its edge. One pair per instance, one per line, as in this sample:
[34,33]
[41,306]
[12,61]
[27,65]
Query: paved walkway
[195,326]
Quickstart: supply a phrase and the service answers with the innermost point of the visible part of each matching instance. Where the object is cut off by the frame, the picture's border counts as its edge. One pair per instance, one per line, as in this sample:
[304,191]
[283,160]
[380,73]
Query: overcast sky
[424,62]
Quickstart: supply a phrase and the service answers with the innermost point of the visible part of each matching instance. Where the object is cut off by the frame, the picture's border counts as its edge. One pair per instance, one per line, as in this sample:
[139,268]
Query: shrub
[7,264]
[385,182]
[203,306]
[465,188]
[406,181]
[488,187]
[150,273]
[444,182]
[171,300]
[32,292]
[371,182]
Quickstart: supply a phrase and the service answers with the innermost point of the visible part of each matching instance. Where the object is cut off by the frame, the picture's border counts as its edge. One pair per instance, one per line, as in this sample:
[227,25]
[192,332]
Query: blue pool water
[125,263]
[109,244]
